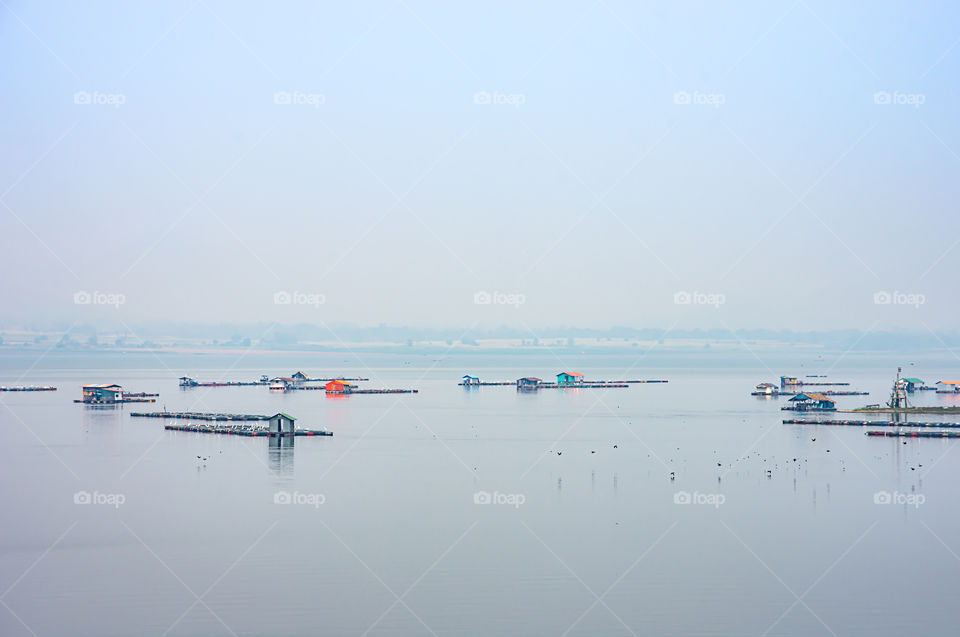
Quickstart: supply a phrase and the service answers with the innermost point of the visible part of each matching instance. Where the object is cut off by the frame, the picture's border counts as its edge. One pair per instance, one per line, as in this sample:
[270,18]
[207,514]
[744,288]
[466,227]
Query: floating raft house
[810,402]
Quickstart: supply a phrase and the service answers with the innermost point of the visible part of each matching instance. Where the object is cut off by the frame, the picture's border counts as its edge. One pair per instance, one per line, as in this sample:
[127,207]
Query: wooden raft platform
[803,383]
[372,391]
[491,383]
[915,434]
[603,383]
[227,383]
[253,432]
[30,388]
[829,392]
[189,415]
[116,402]
[583,386]
[874,423]
[577,386]
[352,391]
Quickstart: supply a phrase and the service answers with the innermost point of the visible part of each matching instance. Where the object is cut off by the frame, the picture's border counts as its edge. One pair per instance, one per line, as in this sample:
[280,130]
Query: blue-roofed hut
[812,402]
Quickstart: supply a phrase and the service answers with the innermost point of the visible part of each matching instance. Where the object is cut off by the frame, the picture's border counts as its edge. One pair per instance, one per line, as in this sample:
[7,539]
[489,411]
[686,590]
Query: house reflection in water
[280,454]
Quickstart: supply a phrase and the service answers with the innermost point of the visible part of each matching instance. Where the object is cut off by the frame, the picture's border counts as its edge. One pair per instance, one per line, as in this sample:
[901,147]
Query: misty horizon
[394,163]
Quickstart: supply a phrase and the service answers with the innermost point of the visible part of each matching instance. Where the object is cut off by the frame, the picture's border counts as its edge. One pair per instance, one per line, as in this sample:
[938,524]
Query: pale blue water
[398,516]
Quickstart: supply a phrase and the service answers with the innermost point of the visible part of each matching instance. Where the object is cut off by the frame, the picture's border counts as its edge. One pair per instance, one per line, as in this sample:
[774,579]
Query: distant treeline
[287,336]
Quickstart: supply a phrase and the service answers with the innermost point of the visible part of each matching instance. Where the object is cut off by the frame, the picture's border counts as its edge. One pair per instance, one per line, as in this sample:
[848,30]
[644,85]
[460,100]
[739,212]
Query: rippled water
[585,533]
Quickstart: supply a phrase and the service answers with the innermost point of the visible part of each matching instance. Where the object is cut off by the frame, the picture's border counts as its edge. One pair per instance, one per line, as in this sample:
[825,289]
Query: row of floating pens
[565,380]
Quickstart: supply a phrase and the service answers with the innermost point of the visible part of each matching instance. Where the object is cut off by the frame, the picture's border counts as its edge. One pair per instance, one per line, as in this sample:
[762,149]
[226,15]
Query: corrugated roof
[815,397]
[948,382]
[101,386]
[570,374]
[915,381]
[287,416]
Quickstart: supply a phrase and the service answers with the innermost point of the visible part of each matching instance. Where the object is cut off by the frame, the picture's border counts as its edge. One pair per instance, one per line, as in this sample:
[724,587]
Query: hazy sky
[586,161]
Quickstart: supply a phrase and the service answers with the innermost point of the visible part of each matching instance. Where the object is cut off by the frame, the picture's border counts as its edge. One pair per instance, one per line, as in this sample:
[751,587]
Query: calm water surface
[586,534]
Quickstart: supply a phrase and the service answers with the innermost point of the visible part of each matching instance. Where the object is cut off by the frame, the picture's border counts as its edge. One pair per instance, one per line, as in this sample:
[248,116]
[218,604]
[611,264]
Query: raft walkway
[915,434]
[829,392]
[603,383]
[804,383]
[118,401]
[192,415]
[30,388]
[370,391]
[246,430]
[489,383]
[873,423]
[229,383]
[577,386]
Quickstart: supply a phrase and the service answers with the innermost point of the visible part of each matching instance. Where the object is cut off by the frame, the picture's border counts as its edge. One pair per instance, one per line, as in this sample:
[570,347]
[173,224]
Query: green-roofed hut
[281,424]
[912,383]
